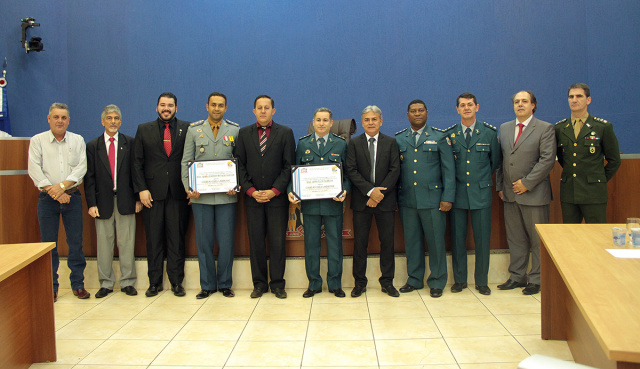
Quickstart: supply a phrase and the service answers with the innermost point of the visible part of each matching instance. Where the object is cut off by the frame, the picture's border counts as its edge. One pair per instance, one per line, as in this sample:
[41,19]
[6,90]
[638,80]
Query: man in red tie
[112,202]
[156,176]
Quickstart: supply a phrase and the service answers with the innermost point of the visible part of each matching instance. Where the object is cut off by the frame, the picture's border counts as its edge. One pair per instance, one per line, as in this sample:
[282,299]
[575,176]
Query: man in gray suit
[528,155]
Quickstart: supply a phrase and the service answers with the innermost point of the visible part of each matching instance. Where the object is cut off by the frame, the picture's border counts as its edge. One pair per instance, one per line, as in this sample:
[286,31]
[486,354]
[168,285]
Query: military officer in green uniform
[584,141]
[214,214]
[477,154]
[322,147]
[425,193]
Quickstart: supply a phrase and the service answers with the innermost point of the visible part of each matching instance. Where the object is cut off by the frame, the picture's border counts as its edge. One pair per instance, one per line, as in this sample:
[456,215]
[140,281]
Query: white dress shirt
[52,161]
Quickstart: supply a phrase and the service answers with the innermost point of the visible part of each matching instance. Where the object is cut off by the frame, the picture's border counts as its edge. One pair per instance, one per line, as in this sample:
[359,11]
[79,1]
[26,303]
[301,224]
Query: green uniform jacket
[427,169]
[584,175]
[475,164]
[307,153]
[201,145]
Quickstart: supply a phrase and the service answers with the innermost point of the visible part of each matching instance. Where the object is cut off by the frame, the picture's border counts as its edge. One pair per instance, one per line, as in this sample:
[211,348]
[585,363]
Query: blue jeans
[49,211]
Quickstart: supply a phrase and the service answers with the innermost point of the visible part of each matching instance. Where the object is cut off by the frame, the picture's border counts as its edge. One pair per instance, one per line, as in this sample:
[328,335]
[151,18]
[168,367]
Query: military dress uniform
[427,178]
[583,184]
[212,212]
[329,210]
[475,163]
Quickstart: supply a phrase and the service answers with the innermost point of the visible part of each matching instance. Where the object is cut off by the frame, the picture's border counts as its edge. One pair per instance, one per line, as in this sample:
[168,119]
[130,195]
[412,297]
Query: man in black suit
[112,202]
[265,152]
[373,166]
[156,176]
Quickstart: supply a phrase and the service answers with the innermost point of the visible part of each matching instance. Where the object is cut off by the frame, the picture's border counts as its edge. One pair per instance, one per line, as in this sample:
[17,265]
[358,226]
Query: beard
[166,120]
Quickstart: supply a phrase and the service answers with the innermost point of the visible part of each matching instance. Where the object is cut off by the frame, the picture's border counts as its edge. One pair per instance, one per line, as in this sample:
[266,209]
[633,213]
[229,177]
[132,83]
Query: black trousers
[361,228]
[269,221]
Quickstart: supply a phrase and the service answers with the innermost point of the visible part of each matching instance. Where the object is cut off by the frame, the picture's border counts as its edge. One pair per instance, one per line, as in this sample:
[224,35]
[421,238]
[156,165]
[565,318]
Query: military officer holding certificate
[322,147]
[213,213]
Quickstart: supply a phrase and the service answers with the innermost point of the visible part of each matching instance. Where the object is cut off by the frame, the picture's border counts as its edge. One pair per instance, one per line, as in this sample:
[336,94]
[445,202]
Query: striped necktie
[263,140]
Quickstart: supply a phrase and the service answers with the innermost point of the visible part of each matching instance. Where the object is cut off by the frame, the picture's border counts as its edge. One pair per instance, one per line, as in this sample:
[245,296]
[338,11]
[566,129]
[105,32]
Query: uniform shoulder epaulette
[198,123]
[397,133]
[450,128]
[305,136]
[232,123]
[489,126]
[336,136]
[562,121]
[440,129]
[600,120]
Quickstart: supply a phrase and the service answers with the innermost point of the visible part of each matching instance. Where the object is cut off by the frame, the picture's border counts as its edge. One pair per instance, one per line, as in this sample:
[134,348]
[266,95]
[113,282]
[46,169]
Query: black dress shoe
[309,293]
[129,290]
[279,292]
[511,284]
[391,291]
[458,287]
[226,292]
[153,290]
[178,290]
[435,292]
[103,292]
[257,292]
[484,290]
[55,296]
[338,292]
[358,290]
[407,288]
[531,289]
[205,293]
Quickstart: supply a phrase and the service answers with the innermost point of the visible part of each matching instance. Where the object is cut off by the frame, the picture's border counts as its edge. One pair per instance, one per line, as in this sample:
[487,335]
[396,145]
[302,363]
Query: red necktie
[521,127]
[167,139]
[112,159]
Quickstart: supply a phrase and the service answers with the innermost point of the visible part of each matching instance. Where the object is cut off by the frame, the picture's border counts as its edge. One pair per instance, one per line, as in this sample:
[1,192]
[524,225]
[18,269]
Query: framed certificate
[312,182]
[213,176]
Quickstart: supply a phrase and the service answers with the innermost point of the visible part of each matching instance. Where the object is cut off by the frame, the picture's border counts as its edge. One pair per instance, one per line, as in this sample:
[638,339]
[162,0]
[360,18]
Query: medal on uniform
[308,151]
[592,150]
[593,133]
[454,142]
[202,149]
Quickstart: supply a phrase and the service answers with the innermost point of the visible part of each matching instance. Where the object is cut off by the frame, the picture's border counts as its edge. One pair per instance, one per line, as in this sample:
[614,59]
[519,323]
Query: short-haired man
[157,177]
[584,142]
[477,155]
[322,147]
[373,166]
[112,202]
[214,214]
[57,164]
[425,193]
[528,148]
[265,151]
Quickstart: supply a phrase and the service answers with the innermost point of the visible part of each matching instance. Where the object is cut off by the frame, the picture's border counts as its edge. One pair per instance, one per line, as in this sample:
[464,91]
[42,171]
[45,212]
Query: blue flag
[5,123]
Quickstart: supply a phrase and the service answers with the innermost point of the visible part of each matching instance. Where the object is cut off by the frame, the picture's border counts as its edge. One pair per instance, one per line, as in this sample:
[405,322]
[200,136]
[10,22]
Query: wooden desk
[27,326]
[590,298]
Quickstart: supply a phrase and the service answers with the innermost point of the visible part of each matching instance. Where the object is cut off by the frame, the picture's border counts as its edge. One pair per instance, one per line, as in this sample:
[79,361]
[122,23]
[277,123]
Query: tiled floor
[462,331]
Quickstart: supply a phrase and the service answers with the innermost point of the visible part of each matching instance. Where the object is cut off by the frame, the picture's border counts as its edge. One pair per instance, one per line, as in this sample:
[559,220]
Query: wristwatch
[62,186]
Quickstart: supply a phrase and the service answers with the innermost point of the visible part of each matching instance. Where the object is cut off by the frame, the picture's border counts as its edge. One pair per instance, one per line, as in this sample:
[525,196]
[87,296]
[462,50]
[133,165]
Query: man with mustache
[158,152]
[112,202]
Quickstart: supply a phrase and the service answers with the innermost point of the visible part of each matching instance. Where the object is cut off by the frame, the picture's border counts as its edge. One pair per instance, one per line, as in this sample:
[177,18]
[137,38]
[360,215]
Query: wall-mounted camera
[35,43]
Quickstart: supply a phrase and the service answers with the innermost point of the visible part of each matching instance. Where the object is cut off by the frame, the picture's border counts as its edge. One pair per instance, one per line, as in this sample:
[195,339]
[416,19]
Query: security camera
[35,44]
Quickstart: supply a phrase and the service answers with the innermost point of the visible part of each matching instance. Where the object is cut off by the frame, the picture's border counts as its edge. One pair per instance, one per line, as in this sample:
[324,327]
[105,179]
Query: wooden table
[590,298]
[27,326]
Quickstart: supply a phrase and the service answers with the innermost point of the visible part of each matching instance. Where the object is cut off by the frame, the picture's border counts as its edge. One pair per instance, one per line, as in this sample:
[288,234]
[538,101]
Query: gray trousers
[520,221]
[106,229]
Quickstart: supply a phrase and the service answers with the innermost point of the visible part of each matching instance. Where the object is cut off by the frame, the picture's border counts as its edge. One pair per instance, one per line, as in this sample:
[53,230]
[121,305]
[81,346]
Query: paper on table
[625,253]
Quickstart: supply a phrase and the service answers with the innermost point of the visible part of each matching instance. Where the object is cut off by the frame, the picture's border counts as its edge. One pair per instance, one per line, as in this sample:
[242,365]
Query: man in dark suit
[156,176]
[265,152]
[528,155]
[112,202]
[584,142]
[373,166]
[322,147]
[477,155]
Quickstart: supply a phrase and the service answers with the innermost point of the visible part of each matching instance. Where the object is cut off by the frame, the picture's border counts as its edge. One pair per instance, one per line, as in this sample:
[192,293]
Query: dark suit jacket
[152,169]
[359,171]
[268,171]
[98,182]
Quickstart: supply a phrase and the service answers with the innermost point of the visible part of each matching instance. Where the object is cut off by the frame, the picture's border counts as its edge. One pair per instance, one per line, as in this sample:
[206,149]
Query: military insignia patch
[453,135]
[308,151]
[592,150]
[199,130]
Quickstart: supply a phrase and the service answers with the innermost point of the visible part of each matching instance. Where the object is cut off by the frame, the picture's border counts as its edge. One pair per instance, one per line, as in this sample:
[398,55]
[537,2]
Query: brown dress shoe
[81,294]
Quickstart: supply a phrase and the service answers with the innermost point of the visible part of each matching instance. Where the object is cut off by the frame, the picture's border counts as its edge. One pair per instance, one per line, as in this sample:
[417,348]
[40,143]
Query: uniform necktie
[467,135]
[321,144]
[167,139]
[577,126]
[215,128]
[521,127]
[112,159]
[372,157]
[415,137]
[263,140]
